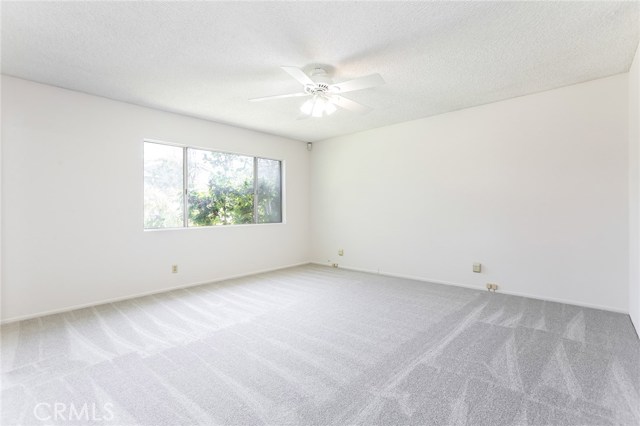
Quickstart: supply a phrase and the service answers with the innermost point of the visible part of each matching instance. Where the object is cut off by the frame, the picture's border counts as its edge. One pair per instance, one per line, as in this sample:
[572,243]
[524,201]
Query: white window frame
[185,189]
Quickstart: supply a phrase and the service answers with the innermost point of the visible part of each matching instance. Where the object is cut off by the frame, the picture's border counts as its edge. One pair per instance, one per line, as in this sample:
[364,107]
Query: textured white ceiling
[205,59]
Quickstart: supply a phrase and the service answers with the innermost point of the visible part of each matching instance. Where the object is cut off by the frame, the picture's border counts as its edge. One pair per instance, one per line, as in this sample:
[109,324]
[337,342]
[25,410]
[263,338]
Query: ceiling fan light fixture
[318,107]
[307,107]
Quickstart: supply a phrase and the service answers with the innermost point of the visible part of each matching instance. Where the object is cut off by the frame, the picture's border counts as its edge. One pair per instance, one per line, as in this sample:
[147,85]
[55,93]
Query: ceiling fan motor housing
[316,89]
[321,82]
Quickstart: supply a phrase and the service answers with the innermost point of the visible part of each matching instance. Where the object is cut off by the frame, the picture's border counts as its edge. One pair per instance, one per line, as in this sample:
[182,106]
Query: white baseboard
[475,287]
[148,293]
[349,268]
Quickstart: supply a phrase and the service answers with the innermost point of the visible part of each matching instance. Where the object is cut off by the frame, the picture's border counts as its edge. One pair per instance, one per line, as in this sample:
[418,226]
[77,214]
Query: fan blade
[289,95]
[350,105]
[299,75]
[358,83]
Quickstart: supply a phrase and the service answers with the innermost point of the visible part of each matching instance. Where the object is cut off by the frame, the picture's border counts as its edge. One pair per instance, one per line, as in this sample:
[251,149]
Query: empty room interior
[320,213]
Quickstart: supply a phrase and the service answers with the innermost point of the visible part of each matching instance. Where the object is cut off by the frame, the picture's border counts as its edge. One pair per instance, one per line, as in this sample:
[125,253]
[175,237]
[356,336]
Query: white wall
[72,200]
[535,188]
[634,191]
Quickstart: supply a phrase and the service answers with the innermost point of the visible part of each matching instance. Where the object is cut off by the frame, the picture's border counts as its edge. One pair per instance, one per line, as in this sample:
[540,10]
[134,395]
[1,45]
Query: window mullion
[255,189]
[185,178]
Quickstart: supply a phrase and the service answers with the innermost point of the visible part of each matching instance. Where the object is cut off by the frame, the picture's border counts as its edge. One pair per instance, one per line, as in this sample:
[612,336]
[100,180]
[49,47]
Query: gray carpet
[319,346]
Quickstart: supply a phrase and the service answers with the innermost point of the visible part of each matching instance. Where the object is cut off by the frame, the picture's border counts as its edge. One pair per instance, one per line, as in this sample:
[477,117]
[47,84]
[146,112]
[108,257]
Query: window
[213,188]
[163,186]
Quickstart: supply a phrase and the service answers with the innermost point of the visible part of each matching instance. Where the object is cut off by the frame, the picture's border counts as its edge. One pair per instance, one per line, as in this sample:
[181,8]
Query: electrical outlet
[341,252]
[174,269]
[335,265]
[492,287]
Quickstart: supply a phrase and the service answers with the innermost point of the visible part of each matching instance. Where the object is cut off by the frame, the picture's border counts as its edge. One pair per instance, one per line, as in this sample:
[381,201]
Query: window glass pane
[220,188]
[269,191]
[163,202]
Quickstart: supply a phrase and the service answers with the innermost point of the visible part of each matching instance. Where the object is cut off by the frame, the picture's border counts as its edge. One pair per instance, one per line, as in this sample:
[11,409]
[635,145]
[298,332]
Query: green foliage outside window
[227,196]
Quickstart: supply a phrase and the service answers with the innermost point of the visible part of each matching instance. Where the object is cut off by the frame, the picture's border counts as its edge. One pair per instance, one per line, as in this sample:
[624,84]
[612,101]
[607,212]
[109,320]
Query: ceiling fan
[325,95]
